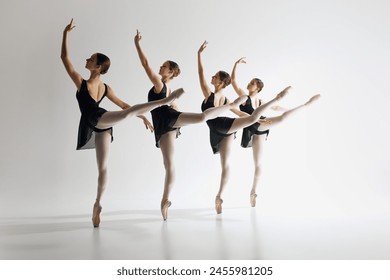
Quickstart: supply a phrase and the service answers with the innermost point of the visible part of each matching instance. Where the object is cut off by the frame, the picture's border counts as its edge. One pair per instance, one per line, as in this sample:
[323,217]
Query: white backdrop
[329,162]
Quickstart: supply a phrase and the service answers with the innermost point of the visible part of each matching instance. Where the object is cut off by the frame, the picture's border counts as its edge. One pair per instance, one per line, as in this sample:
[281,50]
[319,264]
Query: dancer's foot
[312,99]
[175,95]
[97,209]
[253,199]
[218,204]
[164,208]
[238,101]
[283,93]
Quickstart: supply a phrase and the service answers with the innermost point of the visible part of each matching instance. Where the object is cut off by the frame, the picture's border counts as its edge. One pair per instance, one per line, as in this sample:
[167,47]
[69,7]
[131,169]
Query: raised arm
[237,89]
[203,85]
[154,78]
[74,75]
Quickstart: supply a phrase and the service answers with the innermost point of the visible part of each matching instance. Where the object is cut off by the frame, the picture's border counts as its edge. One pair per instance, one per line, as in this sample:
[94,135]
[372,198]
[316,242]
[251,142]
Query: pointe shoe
[283,93]
[253,199]
[176,94]
[218,204]
[312,99]
[97,209]
[164,209]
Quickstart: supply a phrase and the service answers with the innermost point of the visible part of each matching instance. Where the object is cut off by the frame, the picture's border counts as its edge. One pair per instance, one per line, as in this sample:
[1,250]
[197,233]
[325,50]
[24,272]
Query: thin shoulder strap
[210,98]
[104,94]
[83,84]
[105,90]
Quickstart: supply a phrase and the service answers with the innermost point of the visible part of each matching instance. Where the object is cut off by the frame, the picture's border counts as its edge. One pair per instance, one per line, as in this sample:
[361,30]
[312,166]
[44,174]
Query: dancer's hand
[137,37]
[241,60]
[147,123]
[69,27]
[203,46]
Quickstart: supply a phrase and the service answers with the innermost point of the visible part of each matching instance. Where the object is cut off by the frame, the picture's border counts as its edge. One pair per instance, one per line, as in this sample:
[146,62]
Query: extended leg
[211,113]
[167,149]
[255,116]
[271,122]
[110,119]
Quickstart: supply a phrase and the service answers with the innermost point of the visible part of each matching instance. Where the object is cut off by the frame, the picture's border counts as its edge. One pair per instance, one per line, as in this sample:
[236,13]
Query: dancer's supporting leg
[167,149]
[257,149]
[224,152]
[102,147]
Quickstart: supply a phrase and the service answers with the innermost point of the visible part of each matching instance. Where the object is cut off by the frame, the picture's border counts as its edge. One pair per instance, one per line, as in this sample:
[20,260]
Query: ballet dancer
[167,120]
[254,135]
[95,128]
[222,129]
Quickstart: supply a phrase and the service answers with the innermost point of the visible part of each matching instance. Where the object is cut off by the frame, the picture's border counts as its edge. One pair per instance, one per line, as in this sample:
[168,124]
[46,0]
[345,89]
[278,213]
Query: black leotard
[218,126]
[163,117]
[90,115]
[248,132]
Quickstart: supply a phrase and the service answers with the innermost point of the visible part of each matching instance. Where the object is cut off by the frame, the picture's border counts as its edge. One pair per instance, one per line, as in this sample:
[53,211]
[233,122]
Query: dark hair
[173,66]
[103,61]
[259,83]
[224,77]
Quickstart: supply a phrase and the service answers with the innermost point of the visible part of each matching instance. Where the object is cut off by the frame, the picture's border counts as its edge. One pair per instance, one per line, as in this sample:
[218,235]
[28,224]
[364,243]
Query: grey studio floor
[238,233]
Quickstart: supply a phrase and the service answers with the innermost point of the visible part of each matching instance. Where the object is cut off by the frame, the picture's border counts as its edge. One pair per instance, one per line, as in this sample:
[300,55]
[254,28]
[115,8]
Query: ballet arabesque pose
[254,135]
[167,120]
[95,128]
[222,129]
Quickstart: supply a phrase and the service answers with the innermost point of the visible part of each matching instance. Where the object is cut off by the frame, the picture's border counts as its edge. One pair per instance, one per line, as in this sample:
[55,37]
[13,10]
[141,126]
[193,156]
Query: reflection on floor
[238,233]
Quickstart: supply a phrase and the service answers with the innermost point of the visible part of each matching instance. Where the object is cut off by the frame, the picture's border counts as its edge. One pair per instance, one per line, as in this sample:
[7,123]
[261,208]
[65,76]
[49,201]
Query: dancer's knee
[257,169]
[225,168]
[168,165]
[103,171]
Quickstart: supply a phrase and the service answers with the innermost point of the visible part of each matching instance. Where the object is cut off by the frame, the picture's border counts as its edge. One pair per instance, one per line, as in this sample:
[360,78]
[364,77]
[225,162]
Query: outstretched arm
[147,123]
[239,113]
[74,75]
[117,101]
[154,78]
[238,90]
[203,85]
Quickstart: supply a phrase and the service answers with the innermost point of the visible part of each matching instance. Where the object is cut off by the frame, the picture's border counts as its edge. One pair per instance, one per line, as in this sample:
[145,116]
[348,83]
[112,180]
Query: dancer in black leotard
[167,120]
[90,115]
[219,127]
[223,128]
[95,129]
[253,136]
[253,129]
[163,117]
